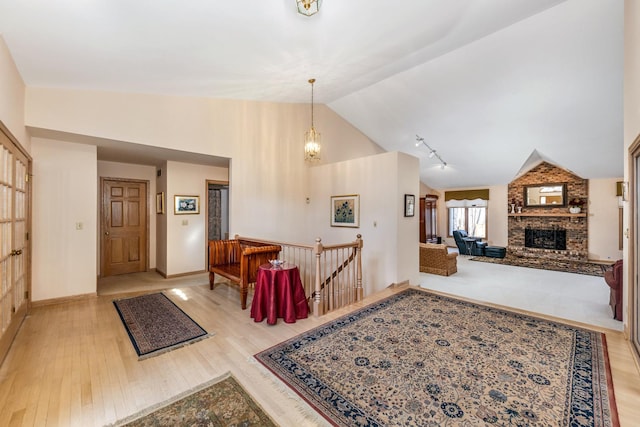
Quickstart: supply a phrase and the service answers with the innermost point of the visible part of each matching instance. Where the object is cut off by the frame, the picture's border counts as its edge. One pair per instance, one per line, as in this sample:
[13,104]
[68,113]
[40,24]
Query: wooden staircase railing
[331,275]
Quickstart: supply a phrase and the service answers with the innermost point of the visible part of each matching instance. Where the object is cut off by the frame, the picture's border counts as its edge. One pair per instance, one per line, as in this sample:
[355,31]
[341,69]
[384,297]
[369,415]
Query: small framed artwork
[345,211]
[186,205]
[409,204]
[160,203]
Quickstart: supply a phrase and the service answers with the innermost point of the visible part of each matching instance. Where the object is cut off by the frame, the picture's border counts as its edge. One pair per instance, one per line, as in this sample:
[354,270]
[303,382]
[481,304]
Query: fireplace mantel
[559,214]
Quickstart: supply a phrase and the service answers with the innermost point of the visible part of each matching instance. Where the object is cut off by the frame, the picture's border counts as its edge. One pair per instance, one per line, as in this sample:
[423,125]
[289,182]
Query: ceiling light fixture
[311,137]
[308,7]
[432,152]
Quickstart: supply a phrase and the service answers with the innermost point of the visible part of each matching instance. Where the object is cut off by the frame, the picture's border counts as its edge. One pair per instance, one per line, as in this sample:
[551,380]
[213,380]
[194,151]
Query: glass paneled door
[14,242]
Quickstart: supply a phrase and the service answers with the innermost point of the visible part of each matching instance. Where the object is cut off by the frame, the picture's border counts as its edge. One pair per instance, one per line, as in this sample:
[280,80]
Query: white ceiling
[484,82]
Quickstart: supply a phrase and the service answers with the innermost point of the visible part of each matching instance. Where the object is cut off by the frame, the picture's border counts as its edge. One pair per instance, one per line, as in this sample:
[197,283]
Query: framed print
[160,203]
[409,204]
[345,211]
[185,205]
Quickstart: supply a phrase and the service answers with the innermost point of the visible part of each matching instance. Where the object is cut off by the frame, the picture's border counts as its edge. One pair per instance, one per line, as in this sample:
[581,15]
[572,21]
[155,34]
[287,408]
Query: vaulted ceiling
[485,83]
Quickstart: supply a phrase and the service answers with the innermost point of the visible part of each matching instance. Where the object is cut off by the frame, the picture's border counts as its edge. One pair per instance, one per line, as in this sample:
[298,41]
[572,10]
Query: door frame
[633,240]
[103,224]
[18,317]
[207,182]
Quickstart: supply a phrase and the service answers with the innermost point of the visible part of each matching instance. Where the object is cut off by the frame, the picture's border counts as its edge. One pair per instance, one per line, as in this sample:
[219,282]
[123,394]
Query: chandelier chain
[312,81]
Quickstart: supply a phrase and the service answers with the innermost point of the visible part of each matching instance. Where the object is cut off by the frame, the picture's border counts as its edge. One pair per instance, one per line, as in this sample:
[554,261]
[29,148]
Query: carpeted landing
[417,358]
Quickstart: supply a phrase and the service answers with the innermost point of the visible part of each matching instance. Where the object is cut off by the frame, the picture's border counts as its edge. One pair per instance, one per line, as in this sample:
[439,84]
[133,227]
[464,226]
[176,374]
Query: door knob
[106,233]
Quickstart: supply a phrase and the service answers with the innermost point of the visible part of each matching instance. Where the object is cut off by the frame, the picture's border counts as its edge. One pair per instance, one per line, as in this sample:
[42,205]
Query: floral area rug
[221,402]
[417,358]
[155,324]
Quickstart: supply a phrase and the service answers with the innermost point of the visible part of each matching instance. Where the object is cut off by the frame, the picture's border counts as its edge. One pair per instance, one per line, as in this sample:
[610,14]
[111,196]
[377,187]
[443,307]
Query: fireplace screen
[546,238]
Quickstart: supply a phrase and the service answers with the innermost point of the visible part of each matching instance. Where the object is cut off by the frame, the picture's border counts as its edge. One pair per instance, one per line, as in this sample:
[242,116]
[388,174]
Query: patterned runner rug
[155,324]
[221,402]
[417,358]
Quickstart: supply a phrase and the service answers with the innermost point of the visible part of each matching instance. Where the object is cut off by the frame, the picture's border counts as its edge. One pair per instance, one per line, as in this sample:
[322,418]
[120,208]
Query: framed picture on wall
[409,204]
[186,205]
[345,211]
[160,203]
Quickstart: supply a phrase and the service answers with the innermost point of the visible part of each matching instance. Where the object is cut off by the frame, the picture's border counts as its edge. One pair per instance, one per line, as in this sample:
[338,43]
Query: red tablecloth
[279,293]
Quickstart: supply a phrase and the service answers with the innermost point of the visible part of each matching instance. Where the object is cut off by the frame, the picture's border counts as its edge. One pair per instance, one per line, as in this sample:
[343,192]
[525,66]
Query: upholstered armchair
[435,259]
[473,247]
[613,278]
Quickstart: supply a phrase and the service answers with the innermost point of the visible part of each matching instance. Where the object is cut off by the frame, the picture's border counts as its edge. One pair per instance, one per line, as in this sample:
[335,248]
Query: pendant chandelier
[311,137]
[308,7]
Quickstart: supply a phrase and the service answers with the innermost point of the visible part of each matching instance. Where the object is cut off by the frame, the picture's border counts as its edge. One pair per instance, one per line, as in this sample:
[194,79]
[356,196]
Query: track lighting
[432,152]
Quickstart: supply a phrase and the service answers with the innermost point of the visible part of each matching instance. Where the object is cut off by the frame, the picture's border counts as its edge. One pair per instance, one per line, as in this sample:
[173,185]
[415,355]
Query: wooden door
[15,223]
[423,229]
[124,227]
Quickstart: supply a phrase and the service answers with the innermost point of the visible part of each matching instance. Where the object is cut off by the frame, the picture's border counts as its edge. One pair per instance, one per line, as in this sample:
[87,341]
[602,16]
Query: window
[467,211]
[471,219]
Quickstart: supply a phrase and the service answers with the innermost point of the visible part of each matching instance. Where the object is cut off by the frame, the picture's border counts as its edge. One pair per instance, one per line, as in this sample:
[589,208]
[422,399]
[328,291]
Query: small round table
[279,293]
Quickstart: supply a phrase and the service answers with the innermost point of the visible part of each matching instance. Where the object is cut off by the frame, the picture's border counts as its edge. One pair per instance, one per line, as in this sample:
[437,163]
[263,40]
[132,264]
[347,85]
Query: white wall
[264,141]
[135,172]
[603,220]
[268,177]
[390,253]
[425,189]
[64,195]
[12,101]
[186,234]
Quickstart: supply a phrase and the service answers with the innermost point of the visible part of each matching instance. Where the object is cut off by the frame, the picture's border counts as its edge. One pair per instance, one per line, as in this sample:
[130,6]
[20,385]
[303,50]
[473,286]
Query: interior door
[634,264]
[15,214]
[124,227]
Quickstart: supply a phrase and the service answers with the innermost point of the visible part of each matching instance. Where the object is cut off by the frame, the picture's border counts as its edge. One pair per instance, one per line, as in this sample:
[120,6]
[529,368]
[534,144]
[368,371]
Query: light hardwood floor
[72,364]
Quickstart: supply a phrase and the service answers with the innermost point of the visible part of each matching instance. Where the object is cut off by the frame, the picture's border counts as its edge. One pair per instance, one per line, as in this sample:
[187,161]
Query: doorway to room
[429,219]
[217,210]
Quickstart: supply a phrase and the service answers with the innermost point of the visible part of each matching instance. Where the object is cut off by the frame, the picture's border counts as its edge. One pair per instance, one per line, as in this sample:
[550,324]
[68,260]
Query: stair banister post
[359,290]
[317,301]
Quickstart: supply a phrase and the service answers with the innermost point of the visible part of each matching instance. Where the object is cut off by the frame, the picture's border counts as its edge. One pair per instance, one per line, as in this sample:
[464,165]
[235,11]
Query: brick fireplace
[548,235]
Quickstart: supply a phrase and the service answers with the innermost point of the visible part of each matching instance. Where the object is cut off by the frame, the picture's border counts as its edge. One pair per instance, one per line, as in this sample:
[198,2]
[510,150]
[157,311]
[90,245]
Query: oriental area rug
[221,402]
[417,358]
[156,325]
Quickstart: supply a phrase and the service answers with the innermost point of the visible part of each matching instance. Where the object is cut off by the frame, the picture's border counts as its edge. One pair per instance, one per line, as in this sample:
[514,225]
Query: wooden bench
[238,261]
